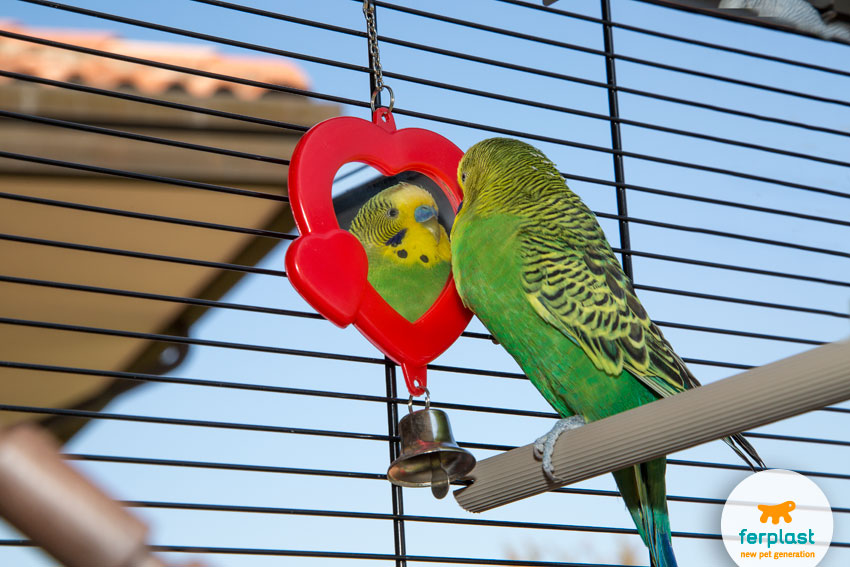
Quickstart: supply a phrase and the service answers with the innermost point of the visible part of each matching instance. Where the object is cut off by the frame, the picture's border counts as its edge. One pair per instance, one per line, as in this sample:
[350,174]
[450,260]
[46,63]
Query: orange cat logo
[776,511]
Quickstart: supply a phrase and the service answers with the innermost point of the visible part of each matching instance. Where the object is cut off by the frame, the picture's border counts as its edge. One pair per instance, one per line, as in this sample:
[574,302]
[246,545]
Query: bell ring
[429,454]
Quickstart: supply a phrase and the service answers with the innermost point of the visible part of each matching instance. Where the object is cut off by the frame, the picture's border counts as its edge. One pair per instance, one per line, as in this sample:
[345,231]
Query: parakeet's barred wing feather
[574,282]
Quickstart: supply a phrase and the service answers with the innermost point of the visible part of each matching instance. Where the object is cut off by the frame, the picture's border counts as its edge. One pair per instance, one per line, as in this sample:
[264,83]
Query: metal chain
[372,34]
[374,54]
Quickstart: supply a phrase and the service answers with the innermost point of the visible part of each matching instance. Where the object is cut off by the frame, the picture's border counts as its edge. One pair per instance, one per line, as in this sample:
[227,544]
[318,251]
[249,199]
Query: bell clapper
[439,478]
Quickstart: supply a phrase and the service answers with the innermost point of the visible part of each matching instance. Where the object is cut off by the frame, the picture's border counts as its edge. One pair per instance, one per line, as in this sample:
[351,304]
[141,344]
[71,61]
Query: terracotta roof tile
[62,65]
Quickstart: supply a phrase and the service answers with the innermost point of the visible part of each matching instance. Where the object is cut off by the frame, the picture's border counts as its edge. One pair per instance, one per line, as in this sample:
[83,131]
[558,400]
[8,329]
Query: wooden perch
[762,395]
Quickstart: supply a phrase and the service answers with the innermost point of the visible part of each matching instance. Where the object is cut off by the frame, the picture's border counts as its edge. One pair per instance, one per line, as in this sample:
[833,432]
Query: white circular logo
[777,514]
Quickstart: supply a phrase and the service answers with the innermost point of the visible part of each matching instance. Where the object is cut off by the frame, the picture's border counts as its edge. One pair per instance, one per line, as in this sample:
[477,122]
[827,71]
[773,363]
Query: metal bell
[429,454]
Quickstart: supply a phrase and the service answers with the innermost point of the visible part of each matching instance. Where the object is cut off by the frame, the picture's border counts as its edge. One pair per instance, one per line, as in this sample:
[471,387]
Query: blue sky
[293,491]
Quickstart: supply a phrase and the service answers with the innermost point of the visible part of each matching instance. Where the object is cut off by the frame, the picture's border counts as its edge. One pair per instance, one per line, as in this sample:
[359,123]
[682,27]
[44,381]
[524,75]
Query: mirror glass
[403,222]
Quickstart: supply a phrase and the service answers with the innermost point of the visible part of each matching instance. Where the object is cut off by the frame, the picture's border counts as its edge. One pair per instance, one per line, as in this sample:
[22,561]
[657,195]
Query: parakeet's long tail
[744,450]
[644,490]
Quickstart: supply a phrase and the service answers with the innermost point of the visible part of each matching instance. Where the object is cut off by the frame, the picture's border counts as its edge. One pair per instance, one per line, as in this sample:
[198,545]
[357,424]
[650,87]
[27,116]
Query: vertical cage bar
[399,543]
[616,139]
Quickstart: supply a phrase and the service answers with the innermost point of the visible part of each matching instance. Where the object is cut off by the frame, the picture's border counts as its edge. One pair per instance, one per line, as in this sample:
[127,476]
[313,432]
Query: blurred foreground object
[61,511]
[798,14]
[827,19]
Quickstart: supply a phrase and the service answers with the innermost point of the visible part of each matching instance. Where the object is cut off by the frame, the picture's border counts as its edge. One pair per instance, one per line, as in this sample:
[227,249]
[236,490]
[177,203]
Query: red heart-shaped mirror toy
[327,265]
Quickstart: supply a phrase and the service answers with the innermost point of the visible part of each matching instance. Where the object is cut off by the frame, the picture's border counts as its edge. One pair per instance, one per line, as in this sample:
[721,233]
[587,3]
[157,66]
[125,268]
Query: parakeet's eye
[463,177]
[392,212]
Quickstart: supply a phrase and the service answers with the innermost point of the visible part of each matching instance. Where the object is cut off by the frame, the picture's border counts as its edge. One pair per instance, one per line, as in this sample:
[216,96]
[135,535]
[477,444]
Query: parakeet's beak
[426,215]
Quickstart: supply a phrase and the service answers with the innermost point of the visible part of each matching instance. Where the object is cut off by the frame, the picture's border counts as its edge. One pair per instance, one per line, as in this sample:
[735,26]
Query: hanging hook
[377,92]
[427,401]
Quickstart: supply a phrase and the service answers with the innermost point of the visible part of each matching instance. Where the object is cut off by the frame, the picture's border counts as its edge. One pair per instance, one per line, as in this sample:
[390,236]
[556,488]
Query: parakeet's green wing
[574,282]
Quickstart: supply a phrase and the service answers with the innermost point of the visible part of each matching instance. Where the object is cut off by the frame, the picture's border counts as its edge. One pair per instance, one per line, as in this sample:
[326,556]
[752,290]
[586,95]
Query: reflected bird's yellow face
[401,224]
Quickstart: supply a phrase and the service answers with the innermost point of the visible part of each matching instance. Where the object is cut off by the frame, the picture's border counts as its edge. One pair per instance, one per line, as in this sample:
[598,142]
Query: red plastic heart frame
[328,266]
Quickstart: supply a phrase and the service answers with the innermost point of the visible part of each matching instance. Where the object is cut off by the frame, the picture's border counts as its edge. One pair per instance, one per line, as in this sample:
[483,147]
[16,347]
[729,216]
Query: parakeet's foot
[544,446]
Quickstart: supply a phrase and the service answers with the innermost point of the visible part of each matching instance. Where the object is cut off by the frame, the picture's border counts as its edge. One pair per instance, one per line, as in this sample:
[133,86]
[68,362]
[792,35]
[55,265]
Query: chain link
[372,33]
[374,54]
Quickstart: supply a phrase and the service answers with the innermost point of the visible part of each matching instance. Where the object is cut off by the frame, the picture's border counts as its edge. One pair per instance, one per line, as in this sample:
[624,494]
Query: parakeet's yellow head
[502,174]
[401,223]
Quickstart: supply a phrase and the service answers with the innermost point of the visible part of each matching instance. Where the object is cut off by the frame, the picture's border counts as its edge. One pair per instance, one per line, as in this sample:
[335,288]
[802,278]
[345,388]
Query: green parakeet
[531,261]
[407,247]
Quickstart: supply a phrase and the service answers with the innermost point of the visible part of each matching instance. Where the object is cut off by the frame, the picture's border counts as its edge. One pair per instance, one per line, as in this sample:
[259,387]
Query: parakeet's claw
[495,340]
[545,446]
